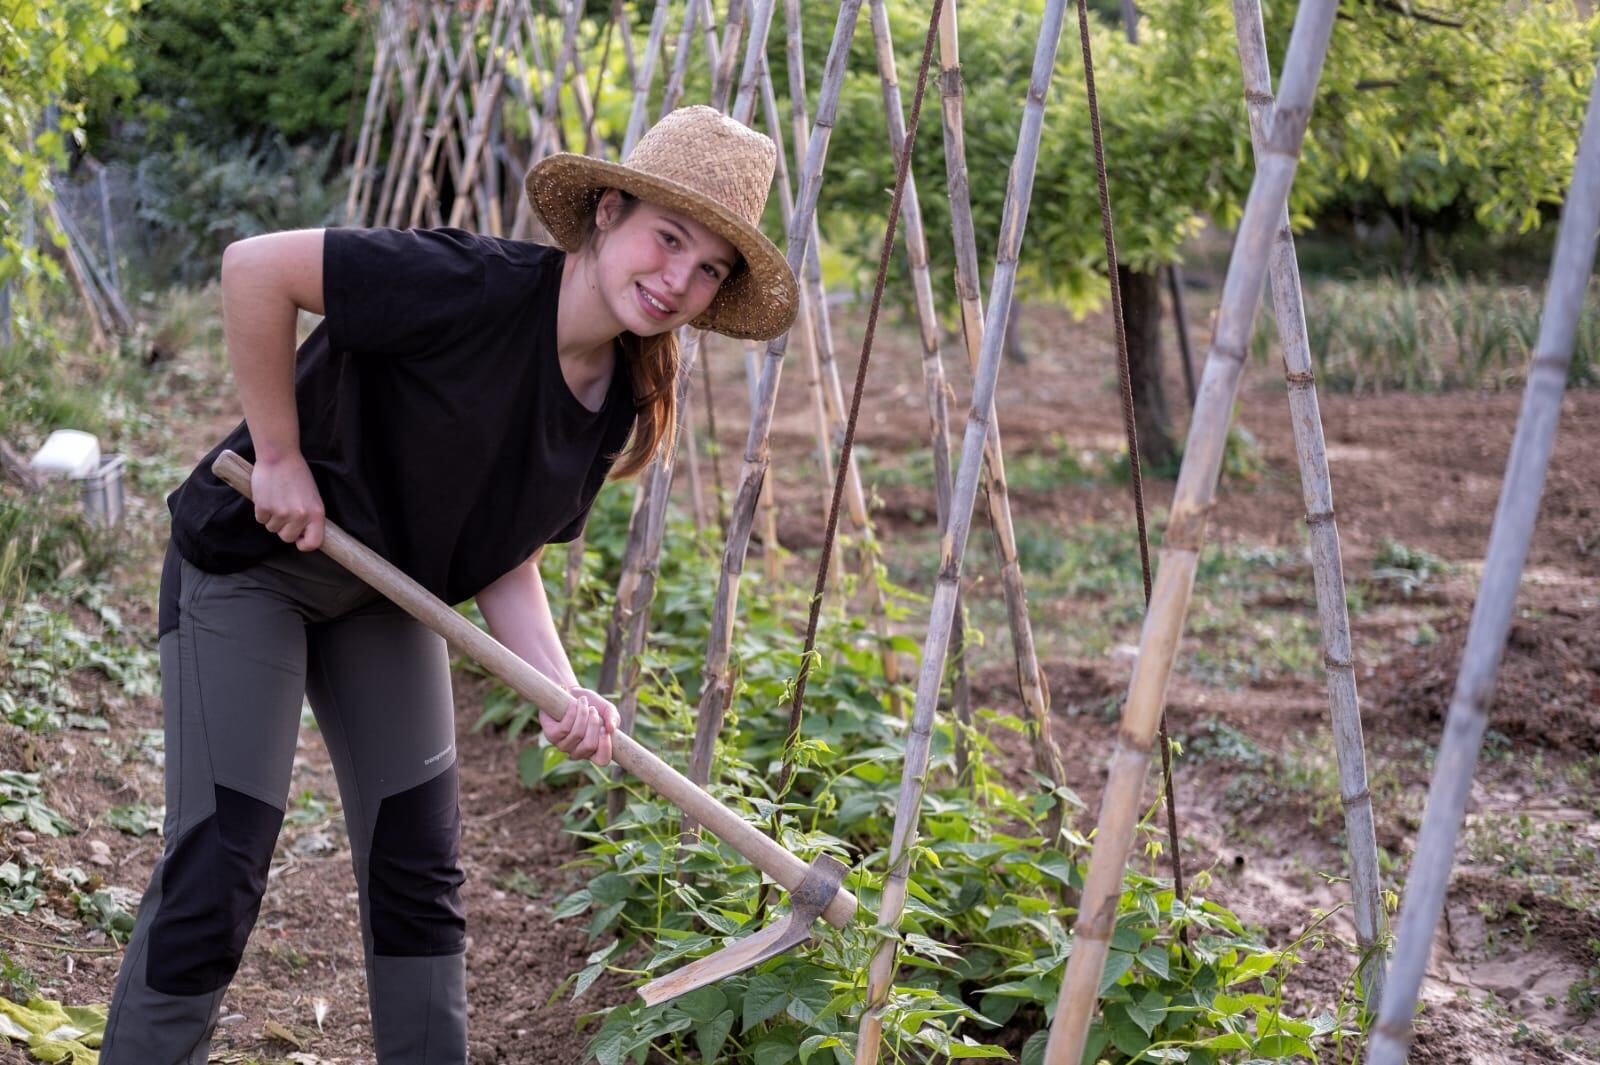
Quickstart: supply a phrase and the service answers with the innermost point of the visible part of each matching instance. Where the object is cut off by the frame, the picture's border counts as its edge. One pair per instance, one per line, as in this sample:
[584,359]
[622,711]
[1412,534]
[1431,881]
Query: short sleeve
[399,291]
[574,528]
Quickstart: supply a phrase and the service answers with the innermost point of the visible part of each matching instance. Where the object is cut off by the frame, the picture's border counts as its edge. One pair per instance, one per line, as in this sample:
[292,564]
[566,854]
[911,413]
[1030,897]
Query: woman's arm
[519,616]
[265,280]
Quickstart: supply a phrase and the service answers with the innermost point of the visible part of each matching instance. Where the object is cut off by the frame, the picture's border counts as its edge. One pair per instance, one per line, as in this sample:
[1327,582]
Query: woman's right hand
[287,500]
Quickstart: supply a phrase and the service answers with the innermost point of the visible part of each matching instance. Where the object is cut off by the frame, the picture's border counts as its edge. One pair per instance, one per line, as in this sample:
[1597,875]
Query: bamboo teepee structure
[462,102]
[1180,549]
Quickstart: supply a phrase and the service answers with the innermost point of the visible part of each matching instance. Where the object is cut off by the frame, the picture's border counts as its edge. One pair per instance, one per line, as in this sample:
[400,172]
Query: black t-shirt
[433,414]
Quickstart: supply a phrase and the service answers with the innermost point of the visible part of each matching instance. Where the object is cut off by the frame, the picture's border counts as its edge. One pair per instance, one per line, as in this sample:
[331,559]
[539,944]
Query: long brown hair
[652,364]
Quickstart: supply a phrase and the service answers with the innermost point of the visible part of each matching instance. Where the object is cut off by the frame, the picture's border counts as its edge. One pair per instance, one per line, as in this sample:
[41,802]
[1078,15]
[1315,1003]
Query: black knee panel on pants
[211,887]
[414,872]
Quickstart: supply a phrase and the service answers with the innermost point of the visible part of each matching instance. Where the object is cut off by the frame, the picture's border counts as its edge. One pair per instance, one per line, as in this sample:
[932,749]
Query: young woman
[457,409]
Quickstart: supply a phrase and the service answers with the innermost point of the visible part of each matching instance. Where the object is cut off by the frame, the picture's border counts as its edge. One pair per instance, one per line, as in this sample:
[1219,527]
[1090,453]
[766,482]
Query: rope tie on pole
[1125,380]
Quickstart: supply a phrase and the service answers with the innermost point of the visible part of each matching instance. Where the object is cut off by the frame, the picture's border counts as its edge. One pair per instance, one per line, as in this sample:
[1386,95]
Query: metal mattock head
[806,904]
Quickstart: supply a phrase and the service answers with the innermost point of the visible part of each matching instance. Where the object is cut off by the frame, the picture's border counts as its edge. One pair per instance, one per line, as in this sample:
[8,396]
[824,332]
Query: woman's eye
[712,272]
[672,241]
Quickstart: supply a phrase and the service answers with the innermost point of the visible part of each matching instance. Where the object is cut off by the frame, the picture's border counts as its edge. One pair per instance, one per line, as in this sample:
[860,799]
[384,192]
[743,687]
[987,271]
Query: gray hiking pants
[239,654]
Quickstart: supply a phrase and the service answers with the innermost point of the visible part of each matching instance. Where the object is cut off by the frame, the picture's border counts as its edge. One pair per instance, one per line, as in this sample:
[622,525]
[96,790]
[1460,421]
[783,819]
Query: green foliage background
[1470,123]
[220,72]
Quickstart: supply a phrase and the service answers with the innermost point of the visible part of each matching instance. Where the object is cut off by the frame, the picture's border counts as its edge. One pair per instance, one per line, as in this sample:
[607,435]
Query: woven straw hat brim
[757,302]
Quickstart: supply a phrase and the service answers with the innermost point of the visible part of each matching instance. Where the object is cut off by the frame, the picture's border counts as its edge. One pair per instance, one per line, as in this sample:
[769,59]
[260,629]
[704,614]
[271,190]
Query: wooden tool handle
[471,641]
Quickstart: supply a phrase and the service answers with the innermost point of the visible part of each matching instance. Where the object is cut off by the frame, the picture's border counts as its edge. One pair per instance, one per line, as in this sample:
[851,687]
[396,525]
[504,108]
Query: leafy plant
[985,933]
[46,648]
[16,979]
[136,819]
[1406,569]
[22,802]
[19,888]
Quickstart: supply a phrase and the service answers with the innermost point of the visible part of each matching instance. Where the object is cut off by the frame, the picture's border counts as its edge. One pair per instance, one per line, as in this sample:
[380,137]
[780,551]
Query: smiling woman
[457,409]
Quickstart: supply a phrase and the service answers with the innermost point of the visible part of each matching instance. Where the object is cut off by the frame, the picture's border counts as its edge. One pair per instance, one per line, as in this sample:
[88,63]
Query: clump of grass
[1394,333]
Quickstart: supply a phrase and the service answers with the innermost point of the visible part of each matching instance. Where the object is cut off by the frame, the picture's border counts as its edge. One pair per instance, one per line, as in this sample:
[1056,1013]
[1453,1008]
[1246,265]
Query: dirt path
[1258,810]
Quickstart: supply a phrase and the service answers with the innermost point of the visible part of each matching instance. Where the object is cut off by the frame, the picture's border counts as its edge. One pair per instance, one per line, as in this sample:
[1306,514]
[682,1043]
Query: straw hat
[700,163]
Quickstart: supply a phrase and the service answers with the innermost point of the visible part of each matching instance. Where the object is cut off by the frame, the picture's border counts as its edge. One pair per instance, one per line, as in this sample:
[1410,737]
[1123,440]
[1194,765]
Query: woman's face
[656,269]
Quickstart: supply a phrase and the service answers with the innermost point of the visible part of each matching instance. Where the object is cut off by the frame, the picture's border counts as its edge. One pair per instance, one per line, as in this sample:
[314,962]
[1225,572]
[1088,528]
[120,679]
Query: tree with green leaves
[51,54]
[1468,114]
[223,71]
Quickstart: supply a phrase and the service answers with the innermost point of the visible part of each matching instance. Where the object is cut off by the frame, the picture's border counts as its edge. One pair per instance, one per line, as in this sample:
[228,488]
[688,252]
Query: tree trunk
[1141,318]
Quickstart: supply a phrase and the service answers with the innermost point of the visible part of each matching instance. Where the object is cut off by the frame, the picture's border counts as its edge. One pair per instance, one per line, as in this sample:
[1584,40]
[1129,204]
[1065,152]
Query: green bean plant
[985,934]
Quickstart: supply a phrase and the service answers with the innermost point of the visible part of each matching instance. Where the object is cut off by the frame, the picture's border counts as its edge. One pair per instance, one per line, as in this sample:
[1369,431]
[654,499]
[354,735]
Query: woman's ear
[607,209]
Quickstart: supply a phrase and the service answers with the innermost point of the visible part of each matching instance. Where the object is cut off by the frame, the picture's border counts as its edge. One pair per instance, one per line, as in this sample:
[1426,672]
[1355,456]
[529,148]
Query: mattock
[815,891]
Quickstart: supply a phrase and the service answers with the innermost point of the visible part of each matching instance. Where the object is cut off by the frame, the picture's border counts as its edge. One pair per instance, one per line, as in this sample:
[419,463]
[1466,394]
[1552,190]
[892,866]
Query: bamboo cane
[811,279]
[530,39]
[99,328]
[448,115]
[808,335]
[833,389]
[1317,487]
[407,56]
[708,20]
[647,73]
[653,532]
[815,330]
[722,79]
[493,186]
[689,338]
[673,93]
[1509,539]
[691,440]
[744,107]
[1030,677]
[486,100]
[366,139]
[548,143]
[414,104]
[630,63]
[941,615]
[935,390]
[717,684]
[1180,550]
[714,449]
[453,121]
[582,103]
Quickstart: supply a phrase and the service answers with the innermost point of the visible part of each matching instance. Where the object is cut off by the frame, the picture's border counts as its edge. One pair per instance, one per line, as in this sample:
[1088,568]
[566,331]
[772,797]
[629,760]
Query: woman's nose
[675,276]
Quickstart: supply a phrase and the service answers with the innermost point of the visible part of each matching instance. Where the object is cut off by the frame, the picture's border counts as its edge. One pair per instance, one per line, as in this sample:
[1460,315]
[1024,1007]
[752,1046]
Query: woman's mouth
[653,306]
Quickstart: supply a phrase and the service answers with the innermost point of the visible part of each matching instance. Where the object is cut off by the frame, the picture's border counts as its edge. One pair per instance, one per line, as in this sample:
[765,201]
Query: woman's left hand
[584,730]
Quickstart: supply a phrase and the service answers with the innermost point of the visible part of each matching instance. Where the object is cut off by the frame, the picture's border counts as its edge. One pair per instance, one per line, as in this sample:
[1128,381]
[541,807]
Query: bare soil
[1421,469]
